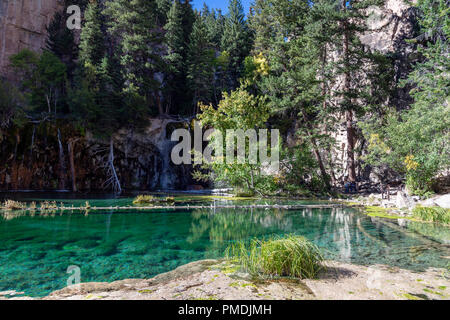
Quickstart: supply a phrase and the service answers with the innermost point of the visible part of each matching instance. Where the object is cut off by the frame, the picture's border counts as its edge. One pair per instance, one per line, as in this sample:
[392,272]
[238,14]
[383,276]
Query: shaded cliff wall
[32,159]
[23,25]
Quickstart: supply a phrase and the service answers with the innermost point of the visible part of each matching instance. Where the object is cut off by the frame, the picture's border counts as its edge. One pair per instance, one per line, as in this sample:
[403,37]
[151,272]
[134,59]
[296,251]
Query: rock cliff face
[23,25]
[389,28]
[38,158]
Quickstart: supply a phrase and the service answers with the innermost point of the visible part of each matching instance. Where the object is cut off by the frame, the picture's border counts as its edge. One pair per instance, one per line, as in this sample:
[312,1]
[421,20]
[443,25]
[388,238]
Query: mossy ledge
[417,215]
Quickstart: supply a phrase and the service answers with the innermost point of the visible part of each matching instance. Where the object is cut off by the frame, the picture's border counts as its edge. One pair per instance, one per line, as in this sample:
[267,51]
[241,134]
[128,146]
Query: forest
[295,65]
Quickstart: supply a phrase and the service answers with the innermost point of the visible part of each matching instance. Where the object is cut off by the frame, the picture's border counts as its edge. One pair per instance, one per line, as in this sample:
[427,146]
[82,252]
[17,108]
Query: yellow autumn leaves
[410,163]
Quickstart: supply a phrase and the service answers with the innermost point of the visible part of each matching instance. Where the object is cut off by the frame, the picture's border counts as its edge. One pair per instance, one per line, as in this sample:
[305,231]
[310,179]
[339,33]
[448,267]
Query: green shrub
[292,256]
[434,214]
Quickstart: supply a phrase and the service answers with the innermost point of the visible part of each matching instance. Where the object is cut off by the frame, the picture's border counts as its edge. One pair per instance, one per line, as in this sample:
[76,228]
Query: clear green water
[35,251]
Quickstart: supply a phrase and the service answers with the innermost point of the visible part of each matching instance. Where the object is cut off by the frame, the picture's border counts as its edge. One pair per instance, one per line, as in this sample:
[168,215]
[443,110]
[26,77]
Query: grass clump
[151,200]
[144,199]
[433,214]
[291,256]
[241,193]
[170,200]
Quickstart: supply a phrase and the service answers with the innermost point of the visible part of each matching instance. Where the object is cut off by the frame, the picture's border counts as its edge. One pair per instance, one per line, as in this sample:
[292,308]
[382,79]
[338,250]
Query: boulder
[404,201]
[443,201]
[428,203]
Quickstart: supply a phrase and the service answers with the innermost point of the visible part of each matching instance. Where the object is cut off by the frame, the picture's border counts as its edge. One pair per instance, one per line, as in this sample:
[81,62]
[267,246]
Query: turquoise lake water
[35,251]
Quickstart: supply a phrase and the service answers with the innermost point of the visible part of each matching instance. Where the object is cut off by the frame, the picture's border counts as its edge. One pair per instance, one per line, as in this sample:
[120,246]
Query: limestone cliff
[23,25]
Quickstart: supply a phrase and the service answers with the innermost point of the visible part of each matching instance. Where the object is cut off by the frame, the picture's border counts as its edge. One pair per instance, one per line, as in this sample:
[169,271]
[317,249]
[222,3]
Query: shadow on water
[35,251]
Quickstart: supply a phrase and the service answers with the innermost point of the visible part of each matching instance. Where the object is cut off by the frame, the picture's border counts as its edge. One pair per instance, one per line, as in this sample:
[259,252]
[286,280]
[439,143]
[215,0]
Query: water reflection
[343,234]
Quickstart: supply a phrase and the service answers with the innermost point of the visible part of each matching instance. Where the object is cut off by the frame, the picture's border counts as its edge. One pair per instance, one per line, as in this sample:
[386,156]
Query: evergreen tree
[163,7]
[200,64]
[60,41]
[292,86]
[214,24]
[236,41]
[92,48]
[96,99]
[175,42]
[343,54]
[133,26]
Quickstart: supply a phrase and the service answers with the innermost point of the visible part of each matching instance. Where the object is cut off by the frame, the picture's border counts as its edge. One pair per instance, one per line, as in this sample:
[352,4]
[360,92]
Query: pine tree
[61,42]
[352,23]
[236,41]
[201,56]
[163,7]
[338,29]
[214,24]
[176,46]
[133,26]
[292,86]
[92,47]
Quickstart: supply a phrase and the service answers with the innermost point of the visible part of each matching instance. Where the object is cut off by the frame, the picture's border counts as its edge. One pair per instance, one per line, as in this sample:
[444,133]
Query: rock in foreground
[218,280]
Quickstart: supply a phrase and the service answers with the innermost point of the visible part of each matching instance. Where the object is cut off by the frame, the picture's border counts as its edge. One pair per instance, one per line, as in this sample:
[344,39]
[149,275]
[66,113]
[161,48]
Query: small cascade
[167,175]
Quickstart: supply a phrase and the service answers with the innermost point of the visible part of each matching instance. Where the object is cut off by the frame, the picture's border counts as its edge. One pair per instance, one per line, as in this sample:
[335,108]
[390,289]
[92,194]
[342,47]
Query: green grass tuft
[292,256]
[151,200]
[143,199]
[433,214]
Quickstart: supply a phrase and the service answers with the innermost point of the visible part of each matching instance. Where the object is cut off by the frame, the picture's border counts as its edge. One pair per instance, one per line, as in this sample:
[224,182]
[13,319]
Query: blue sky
[220,4]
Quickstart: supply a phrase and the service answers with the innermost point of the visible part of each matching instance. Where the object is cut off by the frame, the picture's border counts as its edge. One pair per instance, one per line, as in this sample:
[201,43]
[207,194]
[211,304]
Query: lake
[36,249]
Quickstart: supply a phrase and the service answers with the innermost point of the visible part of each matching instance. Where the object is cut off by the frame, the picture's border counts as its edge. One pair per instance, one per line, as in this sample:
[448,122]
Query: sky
[219,4]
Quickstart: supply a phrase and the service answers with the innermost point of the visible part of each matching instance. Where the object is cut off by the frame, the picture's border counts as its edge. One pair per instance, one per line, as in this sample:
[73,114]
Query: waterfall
[167,176]
[158,129]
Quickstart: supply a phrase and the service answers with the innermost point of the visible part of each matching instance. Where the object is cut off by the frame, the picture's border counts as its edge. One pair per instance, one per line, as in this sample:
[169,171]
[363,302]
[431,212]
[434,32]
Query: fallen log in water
[189,207]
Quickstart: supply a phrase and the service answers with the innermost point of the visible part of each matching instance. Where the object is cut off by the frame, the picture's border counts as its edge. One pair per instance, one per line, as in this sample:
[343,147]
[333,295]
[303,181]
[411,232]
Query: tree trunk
[31,147]
[348,112]
[316,152]
[158,103]
[70,147]
[114,178]
[350,146]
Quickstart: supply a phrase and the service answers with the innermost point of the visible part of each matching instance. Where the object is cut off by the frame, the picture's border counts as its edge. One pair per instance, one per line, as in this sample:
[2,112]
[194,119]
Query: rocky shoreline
[400,201]
[219,280]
